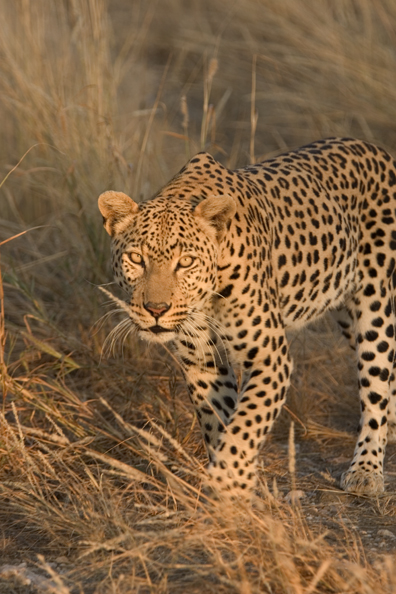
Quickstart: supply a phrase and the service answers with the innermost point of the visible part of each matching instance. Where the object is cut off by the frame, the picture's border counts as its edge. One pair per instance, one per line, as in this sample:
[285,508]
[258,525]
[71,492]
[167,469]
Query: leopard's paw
[225,484]
[363,481]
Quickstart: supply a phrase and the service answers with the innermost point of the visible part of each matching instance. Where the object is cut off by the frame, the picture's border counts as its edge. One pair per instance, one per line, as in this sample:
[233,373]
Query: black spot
[384,375]
[226,292]
[371,335]
[252,353]
[369,290]
[285,279]
[229,401]
[281,261]
[388,309]
[374,398]
[240,347]
[206,410]
[217,404]
[382,347]
[378,322]
[375,306]
[380,259]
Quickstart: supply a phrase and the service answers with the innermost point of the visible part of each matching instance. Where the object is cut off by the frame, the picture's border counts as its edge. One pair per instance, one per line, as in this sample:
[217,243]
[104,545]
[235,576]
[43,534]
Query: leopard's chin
[157,334]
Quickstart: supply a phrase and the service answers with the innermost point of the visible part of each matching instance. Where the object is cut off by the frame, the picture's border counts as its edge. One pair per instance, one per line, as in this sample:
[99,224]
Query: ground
[299,492]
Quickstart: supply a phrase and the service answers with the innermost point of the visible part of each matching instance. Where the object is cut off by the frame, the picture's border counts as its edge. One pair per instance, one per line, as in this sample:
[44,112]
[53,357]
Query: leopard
[222,263]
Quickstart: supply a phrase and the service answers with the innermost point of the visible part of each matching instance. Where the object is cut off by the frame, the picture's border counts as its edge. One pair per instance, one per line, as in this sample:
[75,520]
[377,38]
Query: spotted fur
[223,262]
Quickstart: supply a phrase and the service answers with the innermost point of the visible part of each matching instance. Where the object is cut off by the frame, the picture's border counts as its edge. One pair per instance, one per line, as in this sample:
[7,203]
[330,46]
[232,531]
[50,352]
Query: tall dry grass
[101,461]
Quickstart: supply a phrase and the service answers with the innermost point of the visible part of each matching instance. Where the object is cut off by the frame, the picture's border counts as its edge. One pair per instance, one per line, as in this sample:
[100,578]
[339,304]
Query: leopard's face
[167,266]
[165,258]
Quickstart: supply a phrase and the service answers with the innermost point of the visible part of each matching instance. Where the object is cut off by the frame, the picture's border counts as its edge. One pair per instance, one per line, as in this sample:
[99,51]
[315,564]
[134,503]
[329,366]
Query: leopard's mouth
[158,334]
[157,329]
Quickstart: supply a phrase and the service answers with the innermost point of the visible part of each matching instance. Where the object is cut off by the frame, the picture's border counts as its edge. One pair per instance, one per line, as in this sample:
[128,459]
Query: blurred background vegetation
[120,94]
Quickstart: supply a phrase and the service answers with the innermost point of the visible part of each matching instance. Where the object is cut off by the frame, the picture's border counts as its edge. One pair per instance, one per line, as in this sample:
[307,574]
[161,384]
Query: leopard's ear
[217,212]
[115,206]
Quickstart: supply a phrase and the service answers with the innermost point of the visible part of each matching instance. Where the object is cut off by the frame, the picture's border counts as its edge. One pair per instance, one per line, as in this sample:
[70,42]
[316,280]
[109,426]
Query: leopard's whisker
[188,327]
[218,295]
[100,322]
[215,327]
[114,335]
[124,306]
[127,332]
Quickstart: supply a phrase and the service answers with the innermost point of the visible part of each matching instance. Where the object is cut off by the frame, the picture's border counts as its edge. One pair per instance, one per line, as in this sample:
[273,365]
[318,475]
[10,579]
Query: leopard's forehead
[163,227]
[165,207]
[163,218]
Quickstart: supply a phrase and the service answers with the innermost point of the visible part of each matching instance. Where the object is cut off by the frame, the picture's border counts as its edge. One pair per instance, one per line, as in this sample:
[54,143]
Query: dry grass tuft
[101,462]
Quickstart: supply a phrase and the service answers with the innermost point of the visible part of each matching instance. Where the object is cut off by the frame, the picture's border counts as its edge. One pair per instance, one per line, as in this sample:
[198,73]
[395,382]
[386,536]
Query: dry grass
[101,462]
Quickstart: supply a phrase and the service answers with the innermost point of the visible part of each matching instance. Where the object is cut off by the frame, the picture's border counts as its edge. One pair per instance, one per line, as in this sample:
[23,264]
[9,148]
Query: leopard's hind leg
[372,309]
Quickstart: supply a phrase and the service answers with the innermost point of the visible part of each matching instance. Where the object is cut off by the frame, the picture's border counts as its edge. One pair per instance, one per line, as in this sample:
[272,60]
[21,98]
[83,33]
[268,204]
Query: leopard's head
[165,255]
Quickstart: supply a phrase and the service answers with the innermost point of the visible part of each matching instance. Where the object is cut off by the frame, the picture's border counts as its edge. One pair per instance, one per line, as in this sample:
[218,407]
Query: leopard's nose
[156,309]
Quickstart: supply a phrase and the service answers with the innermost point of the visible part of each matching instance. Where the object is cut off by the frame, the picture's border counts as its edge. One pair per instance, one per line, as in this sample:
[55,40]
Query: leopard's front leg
[211,384]
[267,369]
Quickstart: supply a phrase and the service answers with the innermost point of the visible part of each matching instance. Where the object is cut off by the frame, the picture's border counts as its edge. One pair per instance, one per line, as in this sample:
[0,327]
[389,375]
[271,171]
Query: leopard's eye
[185,261]
[136,258]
